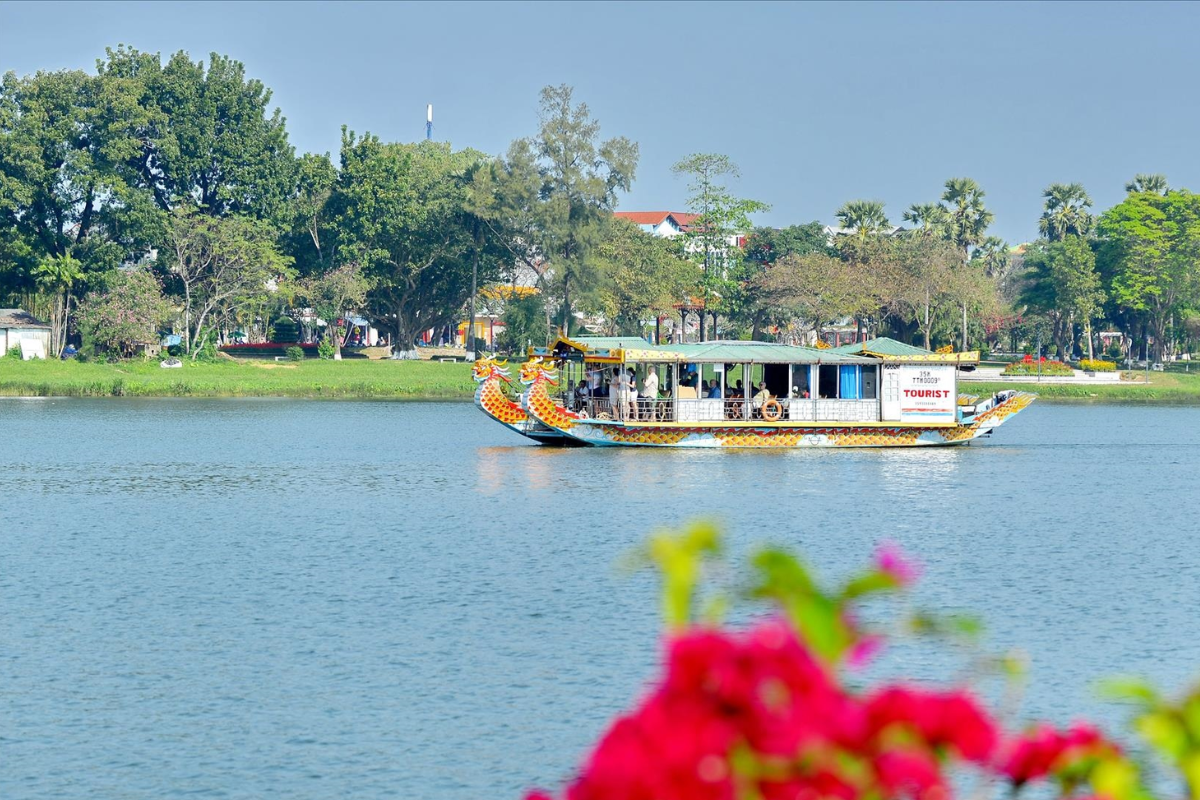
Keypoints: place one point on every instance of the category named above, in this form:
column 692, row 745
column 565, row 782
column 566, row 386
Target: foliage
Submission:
column 807, row 292
column 201, row 135
column 866, row 218
column 1066, row 212
column 1156, row 184
column 525, row 322
column 553, row 195
column 1063, row 284
column 1150, row 252
column 222, row 264
column 128, row 312
column 645, row 276
column 402, row 215
column 332, row 296
column 767, row 245
column 326, row 349
column 711, row 238
column 767, row 710
column 294, row 353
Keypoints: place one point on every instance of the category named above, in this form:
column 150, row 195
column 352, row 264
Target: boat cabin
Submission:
column 877, row 381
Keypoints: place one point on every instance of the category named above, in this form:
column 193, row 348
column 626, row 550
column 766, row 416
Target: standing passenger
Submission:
column 649, row 394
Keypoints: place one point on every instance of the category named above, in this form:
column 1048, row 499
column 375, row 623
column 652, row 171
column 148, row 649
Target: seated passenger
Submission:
column 760, row 397
column 714, row 390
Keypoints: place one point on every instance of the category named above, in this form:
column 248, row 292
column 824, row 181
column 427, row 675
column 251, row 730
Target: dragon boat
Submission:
column 878, row 393
column 491, row 374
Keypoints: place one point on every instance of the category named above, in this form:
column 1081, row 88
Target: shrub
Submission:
column 1113, row 351
column 294, row 353
column 286, row 330
column 1095, row 365
column 325, row 349
column 1029, row 366
column 127, row 313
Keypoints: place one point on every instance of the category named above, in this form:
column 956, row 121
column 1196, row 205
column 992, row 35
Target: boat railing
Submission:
column 728, row 409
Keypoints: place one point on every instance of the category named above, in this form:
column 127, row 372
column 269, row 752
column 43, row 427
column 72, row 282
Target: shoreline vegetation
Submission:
column 424, row 380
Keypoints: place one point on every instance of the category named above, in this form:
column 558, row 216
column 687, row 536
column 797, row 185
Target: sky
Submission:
column 816, row 103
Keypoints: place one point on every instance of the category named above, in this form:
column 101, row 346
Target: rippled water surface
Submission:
column 320, row 600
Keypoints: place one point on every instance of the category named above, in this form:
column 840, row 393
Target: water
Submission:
column 324, row 600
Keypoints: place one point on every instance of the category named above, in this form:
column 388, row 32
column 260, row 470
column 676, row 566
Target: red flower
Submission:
column 910, row 772
column 890, row 560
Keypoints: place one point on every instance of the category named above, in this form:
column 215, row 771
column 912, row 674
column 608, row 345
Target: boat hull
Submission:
column 777, row 435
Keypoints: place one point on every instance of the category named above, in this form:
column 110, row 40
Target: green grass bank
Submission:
column 1165, row 388
column 357, row 378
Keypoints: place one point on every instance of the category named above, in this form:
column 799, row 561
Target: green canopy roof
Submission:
column 758, row 352
column 883, row 346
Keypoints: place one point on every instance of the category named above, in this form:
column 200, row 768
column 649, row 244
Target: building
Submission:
column 17, row 325
column 664, row 224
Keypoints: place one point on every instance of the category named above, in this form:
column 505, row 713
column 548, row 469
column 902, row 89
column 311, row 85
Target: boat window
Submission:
column 776, row 377
column 801, row 385
column 827, row 381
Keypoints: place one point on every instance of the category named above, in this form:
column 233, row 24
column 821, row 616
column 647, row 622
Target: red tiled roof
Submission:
column 682, row 219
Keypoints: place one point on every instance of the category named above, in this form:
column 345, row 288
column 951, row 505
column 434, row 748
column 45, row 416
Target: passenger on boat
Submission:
column 714, row 390
column 760, row 397
column 649, row 394
column 631, row 377
column 583, row 393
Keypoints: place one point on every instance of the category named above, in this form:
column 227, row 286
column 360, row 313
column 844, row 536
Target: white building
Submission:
column 16, row 325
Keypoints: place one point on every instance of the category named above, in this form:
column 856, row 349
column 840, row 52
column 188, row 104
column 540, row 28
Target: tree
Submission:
column 64, row 209
column 930, row 219
column 221, row 265
column 1151, row 249
column 918, row 278
column 966, row 225
column 127, row 312
column 310, row 239
column 1155, row 184
column 768, row 245
column 332, row 296
column 644, row 276
column 807, row 292
column 402, row 214
column 993, row 255
column 563, row 184
column 1066, row 212
column 1064, row 286
column 866, row 218
column 203, row 135
column 58, row 276
column 711, row 238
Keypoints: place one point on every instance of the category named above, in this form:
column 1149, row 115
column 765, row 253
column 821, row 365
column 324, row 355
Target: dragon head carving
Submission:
column 486, row 368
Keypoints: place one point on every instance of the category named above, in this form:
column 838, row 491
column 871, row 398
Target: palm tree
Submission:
column 992, row 253
column 1147, row 183
column 58, row 276
column 967, row 223
column 865, row 217
column 1066, row 212
column 930, row 219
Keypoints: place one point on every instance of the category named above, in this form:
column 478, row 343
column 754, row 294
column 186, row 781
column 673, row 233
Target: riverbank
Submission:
column 419, row 380
column 1165, row 388
column 349, row 379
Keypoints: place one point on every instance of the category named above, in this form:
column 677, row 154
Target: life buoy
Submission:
column 772, row 410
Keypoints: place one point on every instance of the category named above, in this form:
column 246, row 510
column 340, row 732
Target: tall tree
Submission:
column 645, row 277
column 918, row 277
column 310, row 238
column 204, row 134
column 866, row 218
column 804, row 293
column 577, row 180
column 62, row 200
column 966, row 226
column 1142, row 182
column 1064, row 286
column 768, row 245
column 1151, row 250
column 711, row 238
column 402, row 214
column 332, row 296
column 221, row 265
column 1066, row 212
column 928, row 219
column 127, row 312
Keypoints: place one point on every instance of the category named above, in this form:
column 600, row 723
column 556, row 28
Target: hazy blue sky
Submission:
column 818, row 104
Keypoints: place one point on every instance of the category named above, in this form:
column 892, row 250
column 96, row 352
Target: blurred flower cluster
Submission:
column 765, row 712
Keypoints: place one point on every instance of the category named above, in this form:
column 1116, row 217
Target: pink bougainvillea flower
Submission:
column 890, row 559
column 864, row 651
